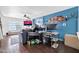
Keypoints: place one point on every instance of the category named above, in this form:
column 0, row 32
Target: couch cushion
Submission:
column 78, row 35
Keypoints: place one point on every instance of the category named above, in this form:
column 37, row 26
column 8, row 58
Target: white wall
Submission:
column 6, row 20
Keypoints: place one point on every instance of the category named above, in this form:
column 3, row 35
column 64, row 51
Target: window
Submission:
column 14, row 26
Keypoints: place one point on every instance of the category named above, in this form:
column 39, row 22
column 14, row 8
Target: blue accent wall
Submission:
column 71, row 25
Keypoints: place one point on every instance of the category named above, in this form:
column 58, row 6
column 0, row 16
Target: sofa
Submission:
column 71, row 41
column 28, row 35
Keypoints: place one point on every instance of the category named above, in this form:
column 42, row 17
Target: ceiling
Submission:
column 32, row 11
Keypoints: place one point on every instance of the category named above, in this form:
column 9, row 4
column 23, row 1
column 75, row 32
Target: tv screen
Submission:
column 27, row 22
column 51, row 26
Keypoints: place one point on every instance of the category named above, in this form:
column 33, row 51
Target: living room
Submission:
column 36, row 28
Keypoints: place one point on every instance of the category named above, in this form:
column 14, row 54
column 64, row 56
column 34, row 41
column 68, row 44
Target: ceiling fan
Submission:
column 27, row 16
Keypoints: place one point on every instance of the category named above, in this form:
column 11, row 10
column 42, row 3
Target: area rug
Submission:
column 14, row 39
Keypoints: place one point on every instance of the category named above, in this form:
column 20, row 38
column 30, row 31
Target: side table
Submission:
column 54, row 39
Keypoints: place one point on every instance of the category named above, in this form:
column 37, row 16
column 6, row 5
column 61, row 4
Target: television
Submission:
column 51, row 26
column 28, row 22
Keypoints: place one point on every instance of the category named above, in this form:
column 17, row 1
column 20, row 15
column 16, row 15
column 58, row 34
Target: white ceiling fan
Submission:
column 26, row 16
